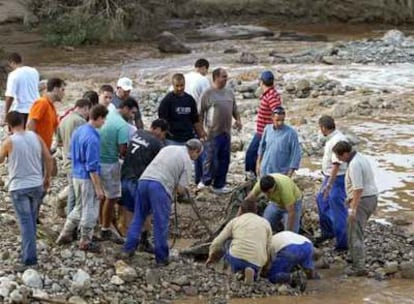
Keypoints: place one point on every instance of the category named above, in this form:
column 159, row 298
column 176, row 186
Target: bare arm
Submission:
column 332, row 177
column 251, row 197
column 47, row 163
column 31, row 125
column 198, row 126
column 122, row 150
column 9, row 101
column 291, row 217
column 5, row 149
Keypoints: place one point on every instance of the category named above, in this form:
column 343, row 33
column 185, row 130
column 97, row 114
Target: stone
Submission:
column 66, row 254
column 116, row 280
column 248, row 58
column 407, row 270
column 81, row 283
column 7, row 219
column 124, row 271
column 290, row 88
column 190, row 291
column 152, row 276
column 170, row 43
column 391, row 267
column 31, row 278
column 394, row 37
column 231, row 51
column 16, row 297
column 340, row 110
column 77, row 300
column 303, row 85
column 39, row 293
column 181, row 281
column 283, row 290
column 220, row 32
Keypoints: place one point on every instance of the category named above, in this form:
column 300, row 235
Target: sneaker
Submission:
column 89, row 246
column 248, row 275
column 298, row 280
column 64, row 239
column 223, row 190
column 201, row 186
column 352, row 272
column 110, row 235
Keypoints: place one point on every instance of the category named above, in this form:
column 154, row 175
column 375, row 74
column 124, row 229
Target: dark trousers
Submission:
column 251, row 154
column 217, row 161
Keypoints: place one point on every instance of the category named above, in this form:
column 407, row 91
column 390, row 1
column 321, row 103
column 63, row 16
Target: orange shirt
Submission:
column 44, row 112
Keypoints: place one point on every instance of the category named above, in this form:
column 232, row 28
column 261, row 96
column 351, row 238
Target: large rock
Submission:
column 31, row 278
column 124, row 271
column 394, row 37
column 340, row 110
column 220, row 32
column 81, row 282
column 407, row 270
column 170, row 43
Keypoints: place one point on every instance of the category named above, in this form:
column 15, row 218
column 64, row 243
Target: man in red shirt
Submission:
column 269, row 100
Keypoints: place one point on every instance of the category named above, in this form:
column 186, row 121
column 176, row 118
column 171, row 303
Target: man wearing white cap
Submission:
column 123, row 89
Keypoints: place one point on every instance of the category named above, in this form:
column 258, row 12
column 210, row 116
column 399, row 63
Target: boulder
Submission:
column 31, row 278
column 81, row 283
column 170, row 43
column 340, row 110
column 394, row 37
column 221, row 32
column 248, row 58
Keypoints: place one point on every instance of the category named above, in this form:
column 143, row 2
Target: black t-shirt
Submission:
column 142, row 149
column 181, row 114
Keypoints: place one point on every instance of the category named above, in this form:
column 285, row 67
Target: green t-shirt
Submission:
column 286, row 192
column 113, row 133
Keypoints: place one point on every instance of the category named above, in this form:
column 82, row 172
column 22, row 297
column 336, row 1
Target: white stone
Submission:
column 31, row 278
column 77, row 300
column 39, row 293
column 66, row 254
column 117, row 280
column 16, row 297
column 124, row 271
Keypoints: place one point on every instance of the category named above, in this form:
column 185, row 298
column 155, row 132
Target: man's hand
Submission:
column 213, row 257
column 326, row 191
column 100, row 195
column 46, row 183
column 352, row 215
column 238, row 125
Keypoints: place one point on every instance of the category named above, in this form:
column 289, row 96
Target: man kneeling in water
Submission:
column 246, row 242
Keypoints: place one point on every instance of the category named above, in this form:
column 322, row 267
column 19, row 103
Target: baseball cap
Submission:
column 279, row 110
column 124, row 83
column 267, row 76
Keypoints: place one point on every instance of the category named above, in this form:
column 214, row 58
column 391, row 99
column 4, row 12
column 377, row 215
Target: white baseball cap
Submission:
column 124, row 83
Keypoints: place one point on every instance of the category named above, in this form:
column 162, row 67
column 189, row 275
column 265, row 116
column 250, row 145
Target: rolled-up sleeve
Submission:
column 92, row 157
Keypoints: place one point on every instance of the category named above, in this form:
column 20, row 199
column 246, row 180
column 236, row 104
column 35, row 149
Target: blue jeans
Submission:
column 26, row 203
column 151, row 197
column 129, row 193
column 217, row 161
column 333, row 213
column 251, row 154
column 237, row 264
column 198, row 167
column 277, row 216
column 288, row 258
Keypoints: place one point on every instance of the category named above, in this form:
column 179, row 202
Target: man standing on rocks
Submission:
column 331, row 197
column 362, row 197
column 218, row 106
column 64, row 134
column 279, row 150
column 269, row 101
column 169, row 172
column 85, row 154
column 114, row 139
column 42, row 117
column 29, row 166
column 290, row 250
column 142, row 149
column 123, row 91
column 246, row 242
column 196, row 82
column 179, row 109
column 22, row 87
column 285, row 197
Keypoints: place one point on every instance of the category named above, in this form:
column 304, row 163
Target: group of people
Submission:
column 114, row 165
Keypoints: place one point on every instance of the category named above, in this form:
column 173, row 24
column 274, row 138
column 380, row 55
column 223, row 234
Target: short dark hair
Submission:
column 216, row 73
column 342, row 147
column 327, row 121
column 160, row 123
column 15, row 57
column 92, row 96
column 14, row 119
column 202, row 63
column 267, row 182
column 83, row 102
column 130, row 103
column 269, row 82
column 248, row 206
column 98, row 111
column 54, row 83
column 178, row 77
column 106, row 88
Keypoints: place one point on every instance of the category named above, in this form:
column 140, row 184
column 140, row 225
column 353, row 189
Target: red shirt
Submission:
column 268, row 102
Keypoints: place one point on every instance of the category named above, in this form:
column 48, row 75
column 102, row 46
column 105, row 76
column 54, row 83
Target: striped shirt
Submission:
column 268, row 102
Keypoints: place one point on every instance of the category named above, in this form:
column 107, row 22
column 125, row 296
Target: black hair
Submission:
column 342, row 147
column 266, row 183
column 54, row 83
column 14, row 119
column 15, row 57
column 92, row 96
column 83, row 102
column 130, row 103
column 160, row 123
column 202, row 63
column 98, row 111
column 327, row 121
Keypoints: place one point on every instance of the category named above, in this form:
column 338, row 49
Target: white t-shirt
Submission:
column 171, row 167
column 360, row 176
column 23, row 86
column 329, row 157
column 195, row 85
column 285, row 238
